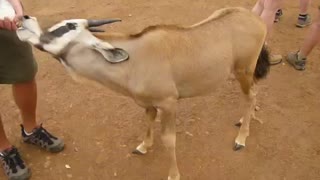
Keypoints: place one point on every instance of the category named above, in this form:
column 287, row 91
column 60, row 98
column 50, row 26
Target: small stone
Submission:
column 67, row 166
column 128, row 155
column 189, row 134
column 76, row 149
column 130, row 15
column 69, row 175
column 115, row 174
column 257, row 108
column 46, row 164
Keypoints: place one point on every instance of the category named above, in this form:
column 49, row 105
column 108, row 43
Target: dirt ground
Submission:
column 100, row 127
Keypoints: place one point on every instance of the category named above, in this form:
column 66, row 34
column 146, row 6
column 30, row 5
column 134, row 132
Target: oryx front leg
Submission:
column 244, row 129
column 151, row 114
column 168, row 136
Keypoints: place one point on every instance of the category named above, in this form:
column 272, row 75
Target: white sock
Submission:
column 28, row 134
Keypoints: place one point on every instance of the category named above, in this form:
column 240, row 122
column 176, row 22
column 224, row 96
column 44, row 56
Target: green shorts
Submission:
column 17, row 63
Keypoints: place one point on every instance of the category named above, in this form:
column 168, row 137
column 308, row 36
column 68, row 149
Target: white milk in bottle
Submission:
column 6, row 10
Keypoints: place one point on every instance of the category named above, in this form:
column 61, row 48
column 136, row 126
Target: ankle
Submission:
column 301, row 56
column 5, row 146
column 28, row 128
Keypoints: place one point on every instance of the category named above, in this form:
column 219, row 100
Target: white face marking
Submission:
column 29, row 31
column 59, row 43
column 59, row 35
column 81, row 24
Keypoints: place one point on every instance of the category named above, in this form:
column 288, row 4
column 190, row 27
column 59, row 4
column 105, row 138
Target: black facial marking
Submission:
column 63, row 29
column 60, row 31
column 46, row 38
column 71, row 26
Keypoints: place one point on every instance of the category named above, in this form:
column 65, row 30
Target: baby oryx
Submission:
column 162, row 63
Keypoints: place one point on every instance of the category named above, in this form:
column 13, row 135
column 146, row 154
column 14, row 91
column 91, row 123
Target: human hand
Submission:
column 17, row 18
column 7, row 24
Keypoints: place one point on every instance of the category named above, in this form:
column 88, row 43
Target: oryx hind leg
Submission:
column 245, row 79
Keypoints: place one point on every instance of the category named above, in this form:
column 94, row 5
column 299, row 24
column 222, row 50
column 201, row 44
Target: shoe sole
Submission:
column 58, row 148
column 302, row 25
column 25, row 176
column 295, row 67
column 55, row 149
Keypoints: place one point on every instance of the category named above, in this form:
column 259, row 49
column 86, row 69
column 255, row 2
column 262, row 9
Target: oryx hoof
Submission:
column 137, row 152
column 238, row 147
column 238, row 124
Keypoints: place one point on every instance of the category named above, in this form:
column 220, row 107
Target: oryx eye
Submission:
column 71, row 26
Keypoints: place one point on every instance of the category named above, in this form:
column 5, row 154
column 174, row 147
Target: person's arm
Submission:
column 17, row 6
column 12, row 25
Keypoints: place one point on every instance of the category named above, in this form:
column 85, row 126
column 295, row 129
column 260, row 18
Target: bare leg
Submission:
column 267, row 10
column 151, row 114
column 258, row 7
column 268, row 13
column 4, row 143
column 312, row 38
column 25, row 96
column 168, row 116
column 298, row 59
column 304, row 5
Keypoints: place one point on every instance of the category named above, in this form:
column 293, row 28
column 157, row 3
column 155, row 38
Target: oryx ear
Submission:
column 112, row 55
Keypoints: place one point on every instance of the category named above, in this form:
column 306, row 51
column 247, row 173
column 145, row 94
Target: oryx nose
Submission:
column 26, row 17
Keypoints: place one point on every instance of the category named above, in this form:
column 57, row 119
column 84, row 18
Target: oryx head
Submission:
column 56, row 38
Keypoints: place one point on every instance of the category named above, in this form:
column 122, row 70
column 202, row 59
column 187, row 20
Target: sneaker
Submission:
column 13, row 165
column 278, row 15
column 275, row 59
column 42, row 138
column 293, row 60
column 303, row 21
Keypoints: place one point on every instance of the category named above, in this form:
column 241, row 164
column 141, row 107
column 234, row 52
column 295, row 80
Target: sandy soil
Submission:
column 101, row 127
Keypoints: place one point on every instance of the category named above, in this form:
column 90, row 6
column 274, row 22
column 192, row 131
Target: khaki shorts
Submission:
column 17, row 63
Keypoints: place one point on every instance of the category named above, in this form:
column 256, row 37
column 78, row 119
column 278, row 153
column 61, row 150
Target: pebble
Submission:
column 188, row 133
